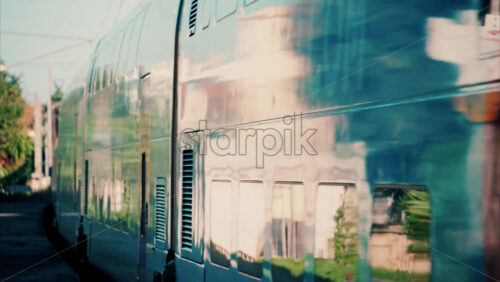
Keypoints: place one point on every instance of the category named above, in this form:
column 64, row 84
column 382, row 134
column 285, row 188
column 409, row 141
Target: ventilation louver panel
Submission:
column 187, row 199
column 86, row 189
column 192, row 17
column 160, row 215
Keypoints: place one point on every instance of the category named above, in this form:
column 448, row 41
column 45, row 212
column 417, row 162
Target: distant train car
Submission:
column 266, row 140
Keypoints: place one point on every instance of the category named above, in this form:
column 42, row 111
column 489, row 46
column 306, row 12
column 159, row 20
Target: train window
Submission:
column 113, row 60
column 335, row 235
column 248, row 2
column 220, row 222
column 133, row 31
column 207, row 12
column 105, row 76
column 126, row 58
column 400, row 236
column 251, row 223
column 118, row 60
column 225, row 8
column 97, row 79
column 86, row 189
column 287, row 227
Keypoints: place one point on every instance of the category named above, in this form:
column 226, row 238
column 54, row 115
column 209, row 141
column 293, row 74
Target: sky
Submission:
column 68, row 29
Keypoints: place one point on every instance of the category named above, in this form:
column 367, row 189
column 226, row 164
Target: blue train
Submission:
column 297, row 140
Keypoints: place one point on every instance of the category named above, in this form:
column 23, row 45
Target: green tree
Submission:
column 58, row 94
column 345, row 237
column 417, row 207
column 56, row 98
column 15, row 146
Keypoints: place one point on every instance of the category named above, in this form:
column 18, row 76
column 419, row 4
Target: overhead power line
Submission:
column 55, row 64
column 50, row 53
column 32, row 34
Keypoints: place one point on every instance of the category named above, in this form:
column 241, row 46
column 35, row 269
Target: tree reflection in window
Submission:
column 400, row 238
column 336, row 236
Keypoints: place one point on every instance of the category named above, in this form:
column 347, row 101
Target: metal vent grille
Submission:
column 187, row 199
column 86, row 189
column 160, row 214
column 192, row 17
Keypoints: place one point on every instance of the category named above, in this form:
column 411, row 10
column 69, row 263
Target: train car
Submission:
column 298, row 140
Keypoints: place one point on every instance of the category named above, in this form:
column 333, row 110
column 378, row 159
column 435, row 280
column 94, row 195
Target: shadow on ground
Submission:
column 31, row 248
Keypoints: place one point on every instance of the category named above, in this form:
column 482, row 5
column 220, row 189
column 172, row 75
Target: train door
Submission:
column 143, row 211
column 155, row 57
column 76, row 185
column 144, row 137
column 155, row 169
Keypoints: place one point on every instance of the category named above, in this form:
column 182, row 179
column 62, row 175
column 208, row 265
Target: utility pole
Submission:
column 48, row 130
column 37, row 175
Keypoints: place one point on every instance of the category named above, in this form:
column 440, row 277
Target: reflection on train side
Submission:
column 336, row 238
column 220, row 222
column 251, row 224
column 288, row 222
column 110, row 203
column 400, row 237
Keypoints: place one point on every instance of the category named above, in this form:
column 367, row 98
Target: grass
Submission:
column 287, row 269
column 385, row 274
column 329, row 270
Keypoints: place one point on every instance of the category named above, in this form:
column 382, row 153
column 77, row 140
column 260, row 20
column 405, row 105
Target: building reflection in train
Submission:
column 251, row 224
column 288, row 216
column 220, row 223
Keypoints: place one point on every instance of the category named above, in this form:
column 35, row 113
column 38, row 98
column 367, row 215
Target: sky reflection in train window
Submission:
column 225, row 8
column 220, row 222
column 288, row 222
column 400, row 237
column 251, row 223
column 335, row 235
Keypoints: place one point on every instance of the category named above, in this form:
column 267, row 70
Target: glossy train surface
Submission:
column 248, row 140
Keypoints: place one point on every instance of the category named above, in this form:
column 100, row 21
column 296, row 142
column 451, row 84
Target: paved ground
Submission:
column 23, row 244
